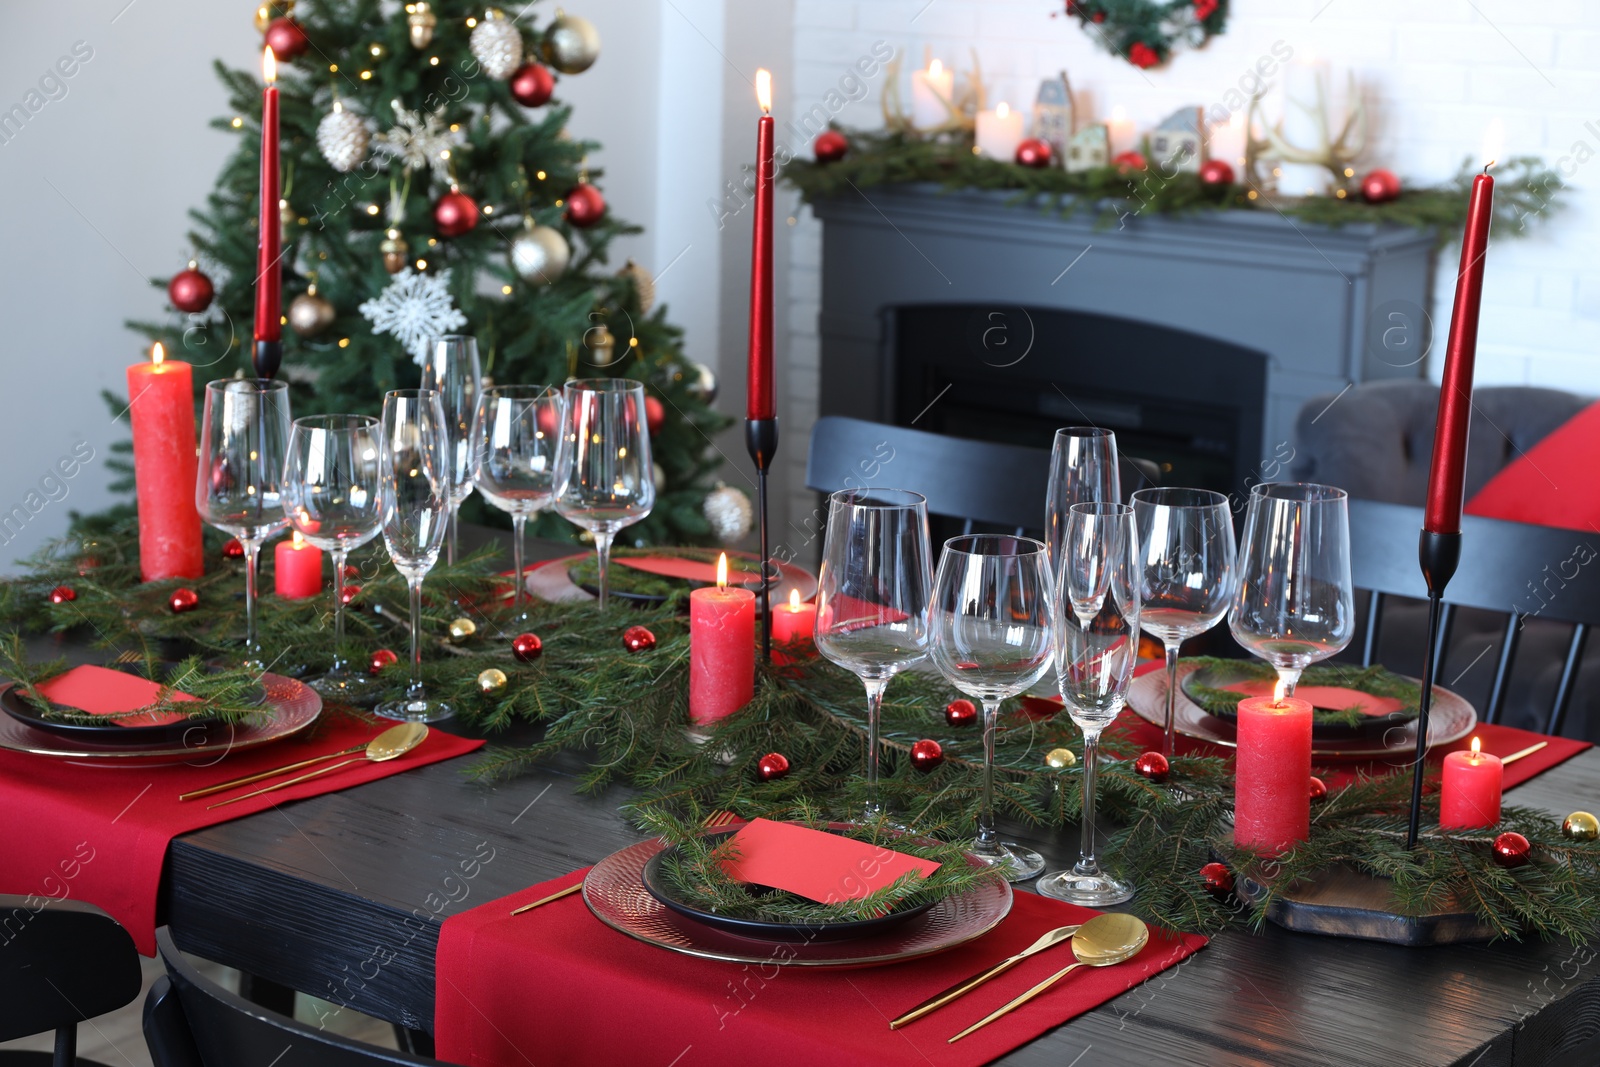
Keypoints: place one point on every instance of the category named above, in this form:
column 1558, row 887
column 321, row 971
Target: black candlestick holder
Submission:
column 267, row 356
column 761, row 438
column 1439, row 554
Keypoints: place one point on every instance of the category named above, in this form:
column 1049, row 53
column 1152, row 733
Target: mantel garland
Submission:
column 622, row 715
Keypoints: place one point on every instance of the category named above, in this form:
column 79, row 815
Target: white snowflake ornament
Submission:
column 415, row 309
column 419, row 141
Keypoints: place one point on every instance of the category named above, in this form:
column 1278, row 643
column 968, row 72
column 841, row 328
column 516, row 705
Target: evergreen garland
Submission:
column 1143, row 32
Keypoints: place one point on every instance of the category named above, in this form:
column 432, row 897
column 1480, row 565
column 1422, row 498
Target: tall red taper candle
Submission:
column 1447, row 475
column 760, row 404
column 165, row 465
column 269, row 275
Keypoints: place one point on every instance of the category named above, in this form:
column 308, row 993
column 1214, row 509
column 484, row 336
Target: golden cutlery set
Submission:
column 391, row 744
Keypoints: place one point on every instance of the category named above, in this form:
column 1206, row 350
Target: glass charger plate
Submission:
column 1451, row 719
column 292, row 706
column 614, row 891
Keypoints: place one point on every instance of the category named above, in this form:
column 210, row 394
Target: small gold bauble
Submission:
column 602, row 345
column 286, row 220
column 311, row 314
column 1580, row 826
column 421, row 19
column 396, row 253
column 462, row 629
column 492, row 680
column 1059, row 759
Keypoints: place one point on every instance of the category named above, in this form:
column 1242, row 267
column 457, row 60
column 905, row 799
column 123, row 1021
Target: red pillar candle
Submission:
column 1272, row 789
column 760, row 404
column 297, row 569
column 794, row 623
column 1469, row 793
column 165, row 468
column 269, row 279
column 722, row 649
column 1447, row 474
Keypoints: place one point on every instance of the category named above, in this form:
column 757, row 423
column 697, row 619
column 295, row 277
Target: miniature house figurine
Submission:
column 1052, row 116
column 1089, row 148
column 1175, row 144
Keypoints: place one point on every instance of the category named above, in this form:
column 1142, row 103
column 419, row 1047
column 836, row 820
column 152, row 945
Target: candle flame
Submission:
column 1002, row 110
column 157, row 353
column 1477, row 749
column 269, row 65
column 1280, row 689
column 764, row 89
column 297, row 539
column 722, row 572
column 1119, row 114
column 794, row 600
column 935, row 69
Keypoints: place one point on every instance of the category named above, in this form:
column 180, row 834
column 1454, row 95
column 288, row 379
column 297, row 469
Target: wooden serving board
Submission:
column 1344, row 902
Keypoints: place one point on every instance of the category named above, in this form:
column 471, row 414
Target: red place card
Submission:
column 1325, row 697
column 102, row 691
column 690, row 570
column 819, row 866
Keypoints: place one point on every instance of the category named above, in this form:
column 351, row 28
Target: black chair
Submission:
column 61, row 963
column 190, row 1021
column 1513, row 569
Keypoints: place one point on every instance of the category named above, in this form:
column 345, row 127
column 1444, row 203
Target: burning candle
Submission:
column 794, row 623
column 297, row 569
column 1228, row 141
column 1272, row 787
column 165, row 467
column 269, row 300
column 999, row 132
column 1120, row 131
column 722, row 649
column 931, row 90
column 760, row 404
column 1469, row 793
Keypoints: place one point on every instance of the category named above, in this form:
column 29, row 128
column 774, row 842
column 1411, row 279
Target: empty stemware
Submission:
column 451, row 369
column 516, row 433
column 1083, row 469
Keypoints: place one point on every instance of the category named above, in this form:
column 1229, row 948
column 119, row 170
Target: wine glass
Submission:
column 992, row 639
column 1295, row 602
column 515, row 436
column 604, row 476
column 1186, row 555
column 331, row 496
column 872, row 596
column 244, row 435
column 1097, row 645
column 451, row 369
column 1083, row 469
column 414, row 486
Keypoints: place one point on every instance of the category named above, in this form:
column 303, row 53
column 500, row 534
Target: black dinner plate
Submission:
column 25, row 711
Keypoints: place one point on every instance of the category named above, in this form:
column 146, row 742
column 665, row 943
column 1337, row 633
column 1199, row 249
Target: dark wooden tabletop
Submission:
column 341, row 896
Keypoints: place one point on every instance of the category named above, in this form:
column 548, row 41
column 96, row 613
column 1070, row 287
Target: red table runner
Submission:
column 555, row 985
column 100, row 834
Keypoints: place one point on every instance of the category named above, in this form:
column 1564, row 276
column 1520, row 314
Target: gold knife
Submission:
column 1047, row 940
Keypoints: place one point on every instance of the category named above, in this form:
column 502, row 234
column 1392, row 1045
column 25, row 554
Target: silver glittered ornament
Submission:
column 310, row 313
column 571, row 44
column 342, row 138
column 729, row 512
column 702, row 383
column 539, row 254
column 496, row 44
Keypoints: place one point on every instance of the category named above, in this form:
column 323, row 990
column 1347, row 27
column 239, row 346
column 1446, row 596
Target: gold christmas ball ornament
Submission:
column 496, row 44
column 702, row 382
column 492, row 680
column 421, row 20
column 539, row 254
column 658, row 475
column 461, row 629
column 1059, row 759
column 1580, row 826
column 266, row 13
column 310, row 314
column 602, row 345
column 395, row 251
column 571, row 44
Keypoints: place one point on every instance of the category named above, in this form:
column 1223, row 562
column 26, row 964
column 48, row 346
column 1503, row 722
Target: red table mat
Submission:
column 100, row 834
column 555, row 985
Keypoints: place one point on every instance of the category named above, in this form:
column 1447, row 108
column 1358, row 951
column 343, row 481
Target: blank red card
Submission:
column 689, row 570
column 102, row 691
column 1326, row 697
column 819, row 866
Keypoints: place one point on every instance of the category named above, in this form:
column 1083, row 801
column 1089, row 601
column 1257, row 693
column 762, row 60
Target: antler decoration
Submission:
column 1334, row 153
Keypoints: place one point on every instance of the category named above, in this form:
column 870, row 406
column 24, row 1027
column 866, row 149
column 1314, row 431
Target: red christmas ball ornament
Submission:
column 1142, row 55
column 532, row 84
column 349, row 593
column 62, row 594
column 1218, row 879
column 585, row 205
column 455, row 213
column 381, row 659
column 772, row 766
column 961, row 712
column 1204, row 9
column 351, row 572
column 183, row 600
column 1152, row 765
column 1511, row 849
column 1380, row 186
column 1129, row 160
column 638, row 639
column 190, row 290
column 1216, row 172
column 287, row 39
column 830, row 146
column 655, row 414
column 527, row 647
column 1319, row 788
column 1034, row 153
column 926, row 755
column 232, row 549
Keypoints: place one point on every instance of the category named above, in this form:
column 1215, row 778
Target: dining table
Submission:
column 341, row 896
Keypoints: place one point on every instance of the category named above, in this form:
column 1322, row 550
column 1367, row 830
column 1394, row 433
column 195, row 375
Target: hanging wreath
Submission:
column 1144, row 31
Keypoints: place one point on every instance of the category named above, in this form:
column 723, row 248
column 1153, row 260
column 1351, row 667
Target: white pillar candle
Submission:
column 999, row 132
column 1120, row 128
column 1228, row 141
column 1305, row 96
column 930, row 89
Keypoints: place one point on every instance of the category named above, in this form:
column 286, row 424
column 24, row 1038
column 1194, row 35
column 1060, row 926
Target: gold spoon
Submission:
column 391, row 744
column 1049, row 939
column 1100, row 942
column 389, row 736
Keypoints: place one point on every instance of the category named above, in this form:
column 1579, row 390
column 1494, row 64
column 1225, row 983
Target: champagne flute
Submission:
column 1097, row 645
column 992, row 639
column 1083, row 469
column 872, row 596
column 331, row 496
column 1295, row 603
column 604, row 476
column 1186, row 556
column 244, row 435
column 414, row 468
column 515, row 436
column 451, row 369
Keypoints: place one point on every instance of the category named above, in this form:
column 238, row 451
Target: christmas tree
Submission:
column 430, row 186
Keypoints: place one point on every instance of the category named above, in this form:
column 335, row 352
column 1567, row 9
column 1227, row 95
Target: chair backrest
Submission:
column 190, row 1021
column 1520, row 570
column 61, row 962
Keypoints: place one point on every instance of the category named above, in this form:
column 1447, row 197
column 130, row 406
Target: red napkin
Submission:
column 99, row 834
column 604, row 998
column 103, row 691
column 1552, row 483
